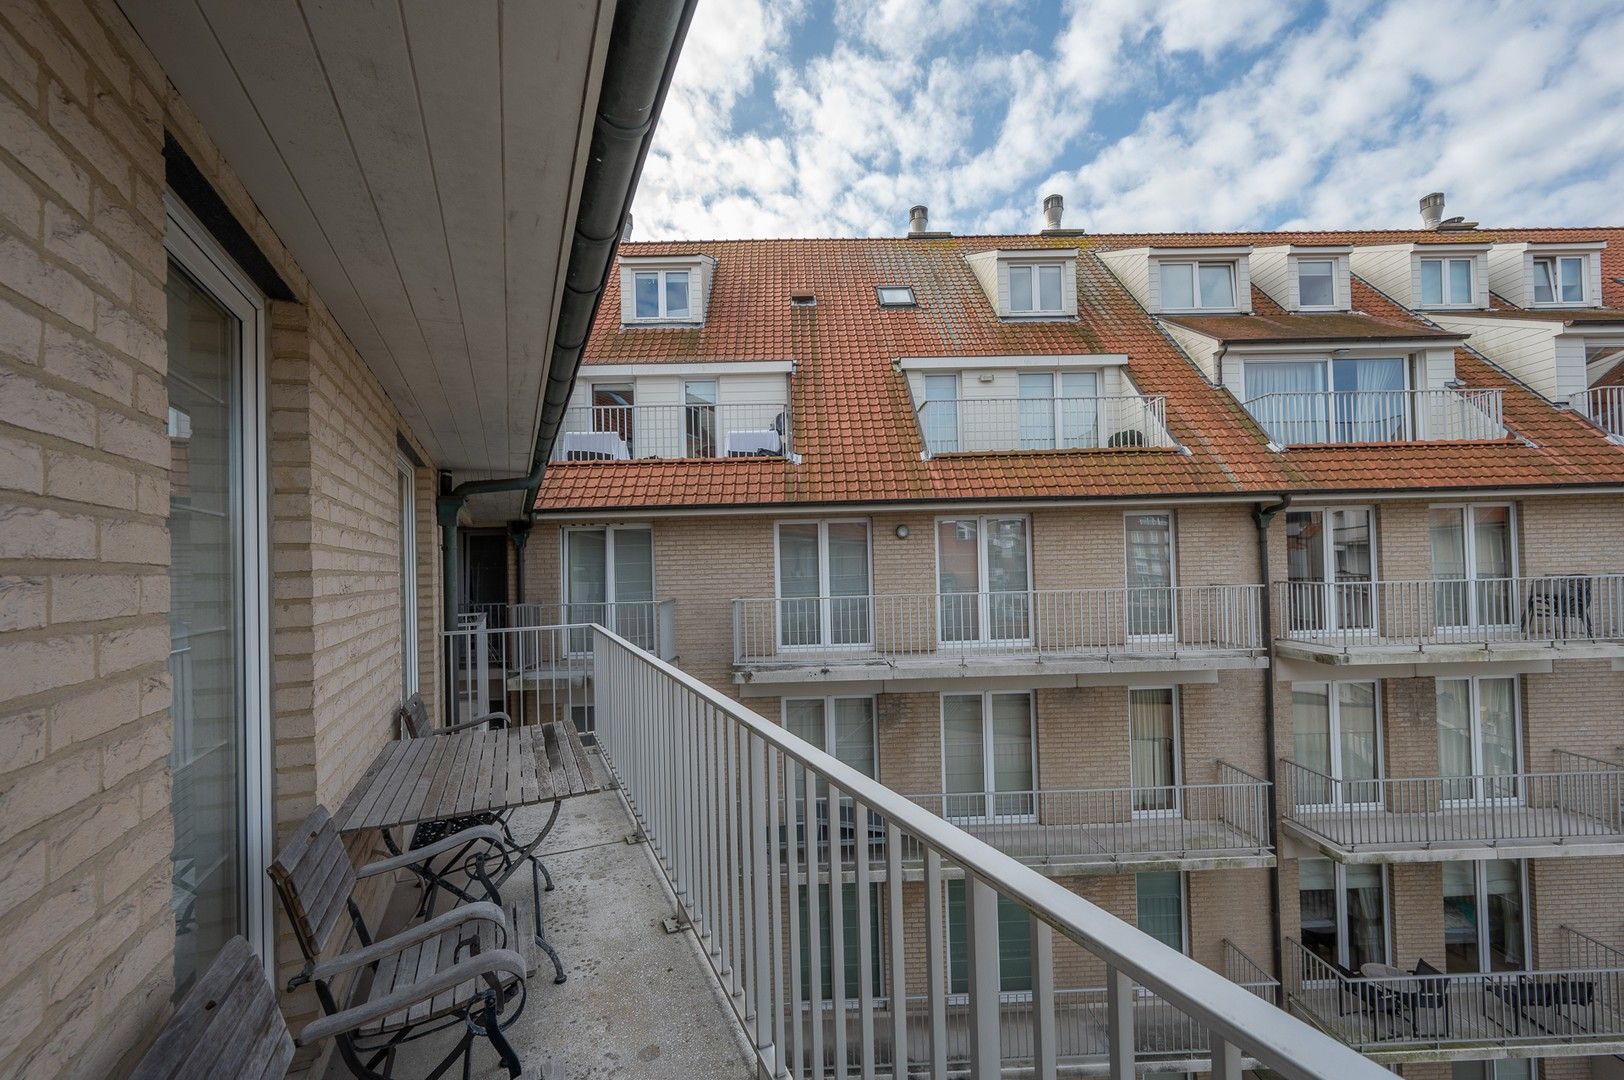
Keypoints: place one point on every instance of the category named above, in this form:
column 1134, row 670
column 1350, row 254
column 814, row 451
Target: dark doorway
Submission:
column 485, row 581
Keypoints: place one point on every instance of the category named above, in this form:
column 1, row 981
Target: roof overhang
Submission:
column 983, row 363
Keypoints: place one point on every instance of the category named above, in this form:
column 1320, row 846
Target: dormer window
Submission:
column 1197, row 286
column 1447, row 282
column 1316, row 283
column 661, row 294
column 1034, row 289
column 1559, row 280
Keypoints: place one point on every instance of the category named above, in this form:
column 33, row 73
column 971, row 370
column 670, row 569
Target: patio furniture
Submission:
column 1556, row 993
column 764, row 443
column 1562, row 599
column 460, row 969
column 593, row 446
column 472, row 772
column 227, row 1025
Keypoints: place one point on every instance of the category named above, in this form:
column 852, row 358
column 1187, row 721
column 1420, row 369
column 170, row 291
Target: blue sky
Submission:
column 831, row 118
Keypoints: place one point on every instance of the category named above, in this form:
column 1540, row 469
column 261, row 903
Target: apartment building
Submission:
column 1262, row 588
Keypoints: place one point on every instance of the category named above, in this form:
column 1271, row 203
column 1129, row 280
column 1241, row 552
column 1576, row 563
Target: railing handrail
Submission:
column 1450, row 976
column 1098, row 590
column 960, row 403
column 1378, row 581
column 1487, row 392
column 1121, row 789
column 1273, row 1037
column 1476, row 414
column 1376, row 781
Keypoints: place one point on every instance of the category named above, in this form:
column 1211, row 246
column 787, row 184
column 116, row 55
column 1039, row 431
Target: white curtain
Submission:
column 1286, row 397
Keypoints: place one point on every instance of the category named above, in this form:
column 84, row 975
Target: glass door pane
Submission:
column 1367, row 915
column 1150, row 575
column 1495, row 593
column 1008, row 580
column 1036, row 410
column 1369, row 403
column 612, row 411
column 1461, row 930
column 1316, row 905
column 963, row 756
column 1287, row 399
column 804, row 719
column 1455, row 737
column 1311, row 739
column 1451, row 603
column 854, row 733
column 1503, row 915
column 958, row 579
column 1357, row 741
column 632, row 574
column 1012, row 753
column 1079, row 409
column 1497, row 736
column 586, row 582
column 1160, row 906
column 207, row 761
column 1153, row 760
column 848, row 583
column 699, row 416
column 800, row 620
column 1354, row 564
column 1305, row 570
column 939, row 413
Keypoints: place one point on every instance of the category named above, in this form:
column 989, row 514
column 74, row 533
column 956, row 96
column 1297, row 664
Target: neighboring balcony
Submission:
column 632, row 432
column 1182, row 827
column 831, row 639
column 1573, row 1008
column 1082, row 423
column 1604, row 405
column 1573, row 616
column 1340, row 417
column 1576, row 811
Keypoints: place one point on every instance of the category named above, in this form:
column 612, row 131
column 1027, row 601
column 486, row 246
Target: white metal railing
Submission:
column 1080, row 423
column 1552, row 1006
column 1476, row 611
column 1110, row 824
column 1604, row 405
column 648, row 624
column 1482, row 808
column 1583, row 951
column 1369, row 416
column 533, row 673
column 703, row 774
column 1153, row 621
column 625, row 432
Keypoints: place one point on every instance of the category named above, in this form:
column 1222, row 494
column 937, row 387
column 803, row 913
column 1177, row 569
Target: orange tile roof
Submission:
column 859, row 441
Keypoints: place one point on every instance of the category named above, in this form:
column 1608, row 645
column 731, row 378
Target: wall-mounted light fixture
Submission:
column 902, row 532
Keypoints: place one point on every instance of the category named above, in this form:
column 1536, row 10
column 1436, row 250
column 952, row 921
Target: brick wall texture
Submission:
column 86, row 930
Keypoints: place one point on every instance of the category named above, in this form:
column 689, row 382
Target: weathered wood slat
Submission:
column 227, row 1025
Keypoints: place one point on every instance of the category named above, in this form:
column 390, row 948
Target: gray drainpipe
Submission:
column 644, row 43
column 1264, row 516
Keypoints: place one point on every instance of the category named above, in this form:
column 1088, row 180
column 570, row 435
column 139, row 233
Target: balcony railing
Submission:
column 1082, row 423
column 648, row 624
column 1242, row 970
column 1550, row 1008
column 1036, row 624
column 703, row 777
column 1375, row 416
column 626, row 432
column 1581, row 805
column 1477, row 611
column 1604, row 405
column 1059, row 829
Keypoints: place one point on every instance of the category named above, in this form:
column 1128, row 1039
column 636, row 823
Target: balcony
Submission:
column 1576, row 811
column 1575, row 1009
column 1184, row 827
column 1083, row 423
column 1341, row 417
column 633, row 432
column 1604, row 405
column 1573, row 616
column 920, row 636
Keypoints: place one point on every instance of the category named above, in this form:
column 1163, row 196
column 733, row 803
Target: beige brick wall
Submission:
column 86, row 931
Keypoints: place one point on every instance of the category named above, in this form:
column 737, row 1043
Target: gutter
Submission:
column 1264, row 516
column 644, row 43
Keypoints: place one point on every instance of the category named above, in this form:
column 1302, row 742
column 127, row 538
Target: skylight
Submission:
column 895, row 295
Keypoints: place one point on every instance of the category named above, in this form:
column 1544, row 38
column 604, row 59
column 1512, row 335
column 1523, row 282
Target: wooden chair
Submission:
column 227, row 1025
column 462, row 968
column 413, row 718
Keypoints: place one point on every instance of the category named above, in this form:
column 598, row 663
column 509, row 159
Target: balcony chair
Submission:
column 227, row 1025
column 1560, row 601
column 465, row 968
column 1432, row 994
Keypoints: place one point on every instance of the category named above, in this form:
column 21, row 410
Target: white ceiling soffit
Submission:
column 423, row 161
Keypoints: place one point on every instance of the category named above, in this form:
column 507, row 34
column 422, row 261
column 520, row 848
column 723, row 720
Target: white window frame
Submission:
column 829, row 700
column 1184, row 912
column 406, row 478
column 989, row 797
column 1297, row 268
column 825, row 642
column 1555, row 263
column 1443, row 299
column 981, row 593
column 880, row 298
column 1032, row 267
column 1333, row 732
column 1178, row 757
column 958, row 413
column 660, row 276
column 1195, row 266
column 1331, row 608
column 1339, row 885
column 188, row 242
column 1469, row 555
column 609, row 598
column 1480, row 896
column 1474, row 728
column 1412, row 426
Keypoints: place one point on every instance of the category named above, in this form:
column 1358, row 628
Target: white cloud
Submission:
column 968, row 106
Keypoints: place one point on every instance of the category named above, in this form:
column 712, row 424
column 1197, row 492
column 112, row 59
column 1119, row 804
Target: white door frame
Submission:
column 406, row 482
column 189, row 244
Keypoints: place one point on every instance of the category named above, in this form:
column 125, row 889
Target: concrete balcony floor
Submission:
column 639, row 1002
column 1453, row 833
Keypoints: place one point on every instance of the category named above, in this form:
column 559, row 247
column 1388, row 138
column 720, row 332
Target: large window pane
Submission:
column 1314, row 283
column 1370, row 403
column 1432, row 281
column 1503, row 914
column 1573, row 284
column 699, row 416
column 1356, row 724
column 1020, row 288
column 1495, row 593
column 1217, row 285
column 854, row 733
column 1153, row 750
column 1160, row 907
column 799, row 612
column 939, row 414
column 1150, row 574
column 1544, row 282
column 1287, row 399
column 848, row 582
column 1008, row 580
column 1311, row 739
column 1079, row 409
column 1037, row 410
column 676, row 294
column 633, row 551
column 1049, row 288
column 1460, row 281
column 851, row 975
column 1461, row 925
column 1497, row 722
column 1012, row 752
column 1447, row 534
column 1366, row 903
column 1353, row 560
column 1316, row 906
column 963, row 755
column 1454, row 703
column 647, row 289
column 207, row 760
column 1178, row 286
column 958, row 578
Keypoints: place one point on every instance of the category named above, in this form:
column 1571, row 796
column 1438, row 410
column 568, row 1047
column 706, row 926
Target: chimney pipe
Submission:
column 918, row 220
column 1053, row 206
column 1432, row 210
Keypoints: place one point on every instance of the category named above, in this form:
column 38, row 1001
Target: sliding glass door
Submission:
column 218, row 757
column 984, row 580
column 1474, row 565
column 1479, row 738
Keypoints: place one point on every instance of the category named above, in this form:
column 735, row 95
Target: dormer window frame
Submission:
column 1330, row 264
column 1198, row 288
column 1233, row 260
column 664, row 271
column 1445, row 262
column 1032, row 272
column 995, row 268
column 1552, row 262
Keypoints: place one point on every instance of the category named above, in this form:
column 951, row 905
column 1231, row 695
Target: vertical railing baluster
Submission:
column 1119, row 1023
column 837, row 930
column 1045, row 1048
column 865, row 946
column 898, row 968
column 792, row 904
column 981, row 939
column 936, row 961
column 762, row 873
column 814, row 929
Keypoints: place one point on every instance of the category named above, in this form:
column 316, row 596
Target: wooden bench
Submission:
column 227, row 1025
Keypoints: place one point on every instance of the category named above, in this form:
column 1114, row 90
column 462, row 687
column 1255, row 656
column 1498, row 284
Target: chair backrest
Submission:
column 1424, row 968
column 414, row 718
column 227, row 1025
column 314, row 880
